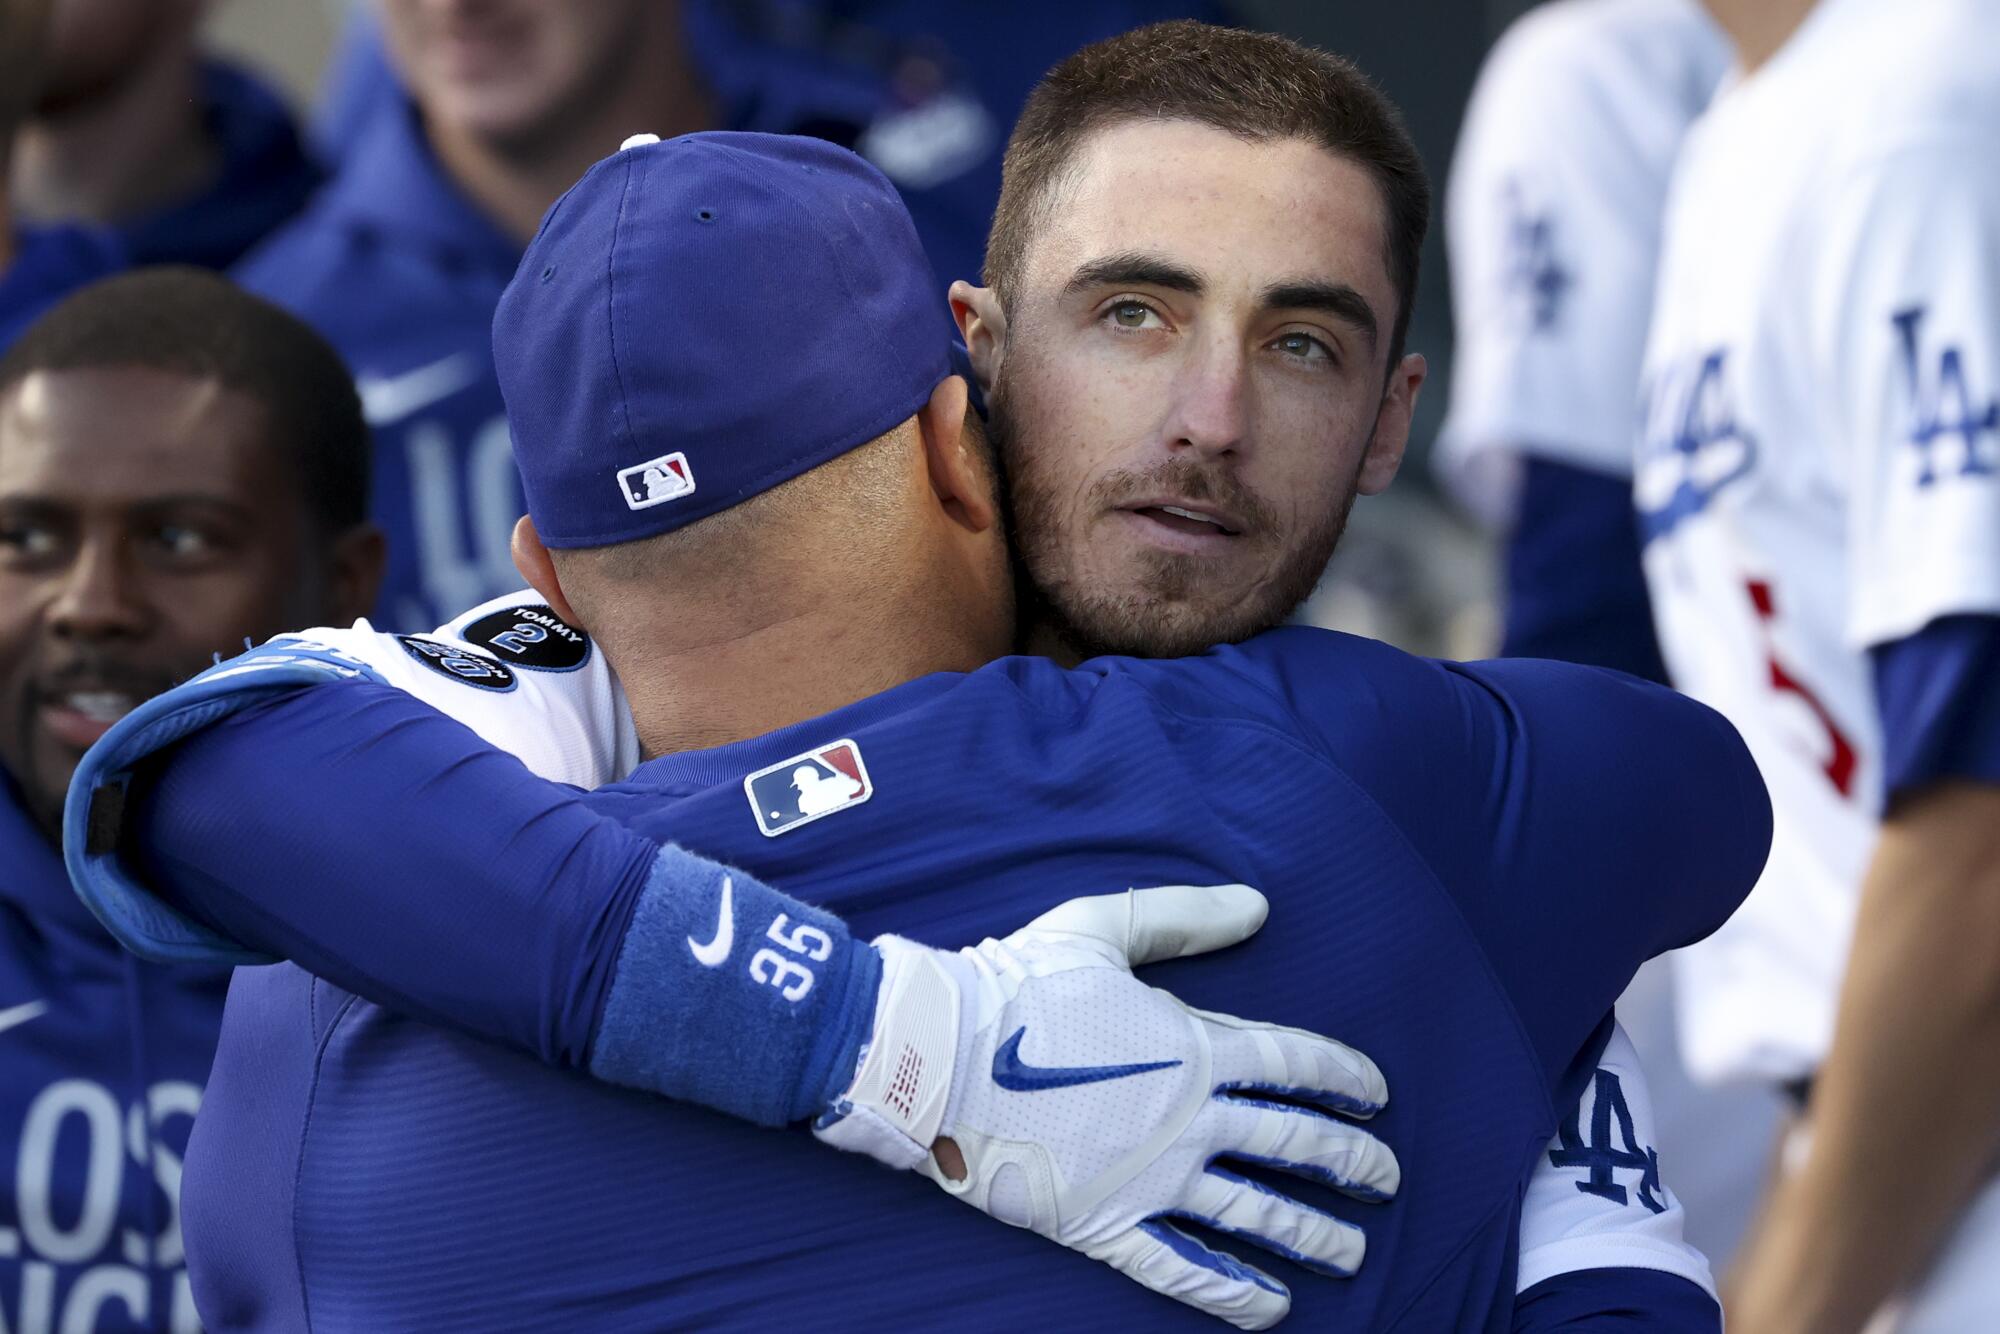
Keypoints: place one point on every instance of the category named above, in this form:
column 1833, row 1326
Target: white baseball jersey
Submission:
column 1819, row 461
column 531, row 685
column 1552, row 220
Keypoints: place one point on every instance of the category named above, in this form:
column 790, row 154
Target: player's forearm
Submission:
column 384, row 847
column 1903, row 1119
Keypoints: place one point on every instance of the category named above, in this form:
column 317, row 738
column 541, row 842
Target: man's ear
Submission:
column 982, row 326
column 355, row 572
column 532, row 559
column 1392, row 426
column 955, row 453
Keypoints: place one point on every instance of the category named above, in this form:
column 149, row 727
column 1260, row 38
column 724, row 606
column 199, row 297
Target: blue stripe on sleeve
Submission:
column 1632, row 1301
column 1576, row 590
column 1938, row 695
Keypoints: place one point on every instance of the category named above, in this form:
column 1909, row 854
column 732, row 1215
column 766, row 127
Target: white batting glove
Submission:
column 1091, row 1108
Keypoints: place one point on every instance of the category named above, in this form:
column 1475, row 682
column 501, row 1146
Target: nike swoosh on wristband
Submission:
column 715, row 951
column 21, row 1014
column 1012, row 1073
column 389, row 398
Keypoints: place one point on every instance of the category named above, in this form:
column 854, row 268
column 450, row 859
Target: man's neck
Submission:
column 141, row 146
column 1758, row 28
column 515, row 184
column 714, row 689
column 1041, row 637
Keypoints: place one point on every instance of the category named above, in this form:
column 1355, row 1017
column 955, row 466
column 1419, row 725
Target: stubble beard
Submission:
column 1163, row 613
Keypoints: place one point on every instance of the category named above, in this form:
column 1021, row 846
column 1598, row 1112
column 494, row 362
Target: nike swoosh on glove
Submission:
column 1092, row 1108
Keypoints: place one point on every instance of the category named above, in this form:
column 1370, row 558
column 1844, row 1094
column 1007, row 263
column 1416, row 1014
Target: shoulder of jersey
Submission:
column 1955, row 43
column 1268, row 674
column 1615, row 49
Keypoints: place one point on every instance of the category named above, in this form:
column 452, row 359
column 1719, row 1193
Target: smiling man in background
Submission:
column 182, row 466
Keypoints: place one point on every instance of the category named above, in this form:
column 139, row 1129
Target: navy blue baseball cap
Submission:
column 699, row 319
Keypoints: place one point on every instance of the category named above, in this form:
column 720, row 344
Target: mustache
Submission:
column 1189, row 479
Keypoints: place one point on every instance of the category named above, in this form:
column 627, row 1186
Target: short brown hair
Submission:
column 1250, row 84
column 195, row 323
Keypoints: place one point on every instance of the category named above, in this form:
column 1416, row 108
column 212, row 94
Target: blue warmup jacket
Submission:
column 102, row 1063
column 1466, row 863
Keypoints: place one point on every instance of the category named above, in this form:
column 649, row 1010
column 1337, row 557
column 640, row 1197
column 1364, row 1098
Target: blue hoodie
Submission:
column 264, row 180
column 49, row 263
column 90, row 1036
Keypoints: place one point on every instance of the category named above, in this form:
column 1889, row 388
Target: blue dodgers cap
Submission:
column 702, row 318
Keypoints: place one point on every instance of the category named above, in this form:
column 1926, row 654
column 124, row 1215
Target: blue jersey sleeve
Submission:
column 1940, row 708
column 1628, row 1301
column 1583, row 820
column 1575, row 588
column 385, row 847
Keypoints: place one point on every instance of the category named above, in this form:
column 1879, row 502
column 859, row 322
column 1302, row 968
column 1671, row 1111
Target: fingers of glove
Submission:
column 1308, row 1144
column 1164, row 922
column 1170, row 1262
column 1174, row 921
column 1278, row 1223
column 1292, row 1063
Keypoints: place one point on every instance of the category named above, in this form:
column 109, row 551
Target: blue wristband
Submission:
column 729, row 994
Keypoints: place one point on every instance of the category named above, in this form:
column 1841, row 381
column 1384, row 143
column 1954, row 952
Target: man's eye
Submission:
column 1134, row 315
column 178, row 539
column 26, row 541
column 1303, row 346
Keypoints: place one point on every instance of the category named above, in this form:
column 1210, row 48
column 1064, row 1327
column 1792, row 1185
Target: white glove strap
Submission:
column 898, row 1100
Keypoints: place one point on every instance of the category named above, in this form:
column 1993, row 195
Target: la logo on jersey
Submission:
column 1536, row 278
column 807, row 787
column 1946, row 410
column 1692, row 445
column 656, row 481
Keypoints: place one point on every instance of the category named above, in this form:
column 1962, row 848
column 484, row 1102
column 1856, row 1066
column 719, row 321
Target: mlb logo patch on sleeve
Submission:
column 806, row 787
column 656, row 481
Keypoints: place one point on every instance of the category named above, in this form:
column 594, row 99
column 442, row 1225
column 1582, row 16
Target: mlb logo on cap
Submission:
column 656, row 481
column 640, row 326
column 806, row 787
